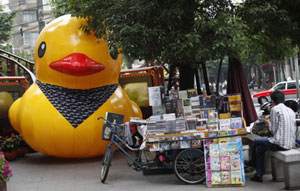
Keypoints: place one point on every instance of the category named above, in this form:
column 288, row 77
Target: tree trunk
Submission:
column 186, row 79
column 283, row 70
column 218, row 77
column 198, row 82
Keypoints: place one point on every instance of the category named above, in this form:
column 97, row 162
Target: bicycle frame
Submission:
column 116, row 142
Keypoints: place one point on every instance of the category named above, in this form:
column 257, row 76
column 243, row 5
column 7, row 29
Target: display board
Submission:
column 224, row 162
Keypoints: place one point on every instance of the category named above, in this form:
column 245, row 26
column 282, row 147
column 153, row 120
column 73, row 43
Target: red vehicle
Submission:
column 287, row 87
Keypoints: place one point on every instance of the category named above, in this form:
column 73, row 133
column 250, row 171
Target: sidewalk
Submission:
column 38, row 172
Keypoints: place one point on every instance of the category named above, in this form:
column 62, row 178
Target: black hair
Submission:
column 277, row 96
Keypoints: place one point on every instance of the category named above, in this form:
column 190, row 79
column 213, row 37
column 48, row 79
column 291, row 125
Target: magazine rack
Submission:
column 224, row 162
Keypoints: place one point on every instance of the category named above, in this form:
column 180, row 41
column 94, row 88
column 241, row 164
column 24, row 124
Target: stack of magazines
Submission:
column 151, row 127
column 180, row 124
column 161, row 126
column 171, row 126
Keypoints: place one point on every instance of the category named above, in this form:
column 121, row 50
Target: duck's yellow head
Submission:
column 66, row 56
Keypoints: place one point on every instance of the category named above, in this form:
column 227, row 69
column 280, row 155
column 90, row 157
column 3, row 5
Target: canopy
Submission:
column 237, row 84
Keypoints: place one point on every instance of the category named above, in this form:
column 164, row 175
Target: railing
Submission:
column 12, row 65
column 156, row 73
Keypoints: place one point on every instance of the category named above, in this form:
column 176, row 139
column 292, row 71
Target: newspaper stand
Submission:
column 198, row 140
column 188, row 152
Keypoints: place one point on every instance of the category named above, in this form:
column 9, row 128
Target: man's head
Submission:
column 277, row 97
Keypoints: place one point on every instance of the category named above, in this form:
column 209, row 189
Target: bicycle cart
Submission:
column 187, row 164
column 182, row 152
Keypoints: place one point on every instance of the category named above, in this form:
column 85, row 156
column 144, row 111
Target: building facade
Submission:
column 31, row 17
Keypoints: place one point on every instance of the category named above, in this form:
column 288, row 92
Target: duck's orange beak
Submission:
column 77, row 64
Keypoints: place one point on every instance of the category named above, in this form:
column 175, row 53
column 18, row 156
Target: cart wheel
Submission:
column 106, row 161
column 189, row 166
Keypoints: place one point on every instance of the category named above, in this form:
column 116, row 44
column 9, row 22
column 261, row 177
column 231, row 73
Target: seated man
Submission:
column 282, row 125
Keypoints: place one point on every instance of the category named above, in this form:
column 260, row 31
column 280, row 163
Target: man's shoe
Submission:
column 256, row 178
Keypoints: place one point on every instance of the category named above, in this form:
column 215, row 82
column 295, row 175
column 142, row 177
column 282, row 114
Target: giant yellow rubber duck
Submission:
column 77, row 82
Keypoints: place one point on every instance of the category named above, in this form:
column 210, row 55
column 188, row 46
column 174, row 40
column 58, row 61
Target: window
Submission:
column 30, row 38
column 29, row 16
column 280, row 87
column 291, row 85
column 46, row 5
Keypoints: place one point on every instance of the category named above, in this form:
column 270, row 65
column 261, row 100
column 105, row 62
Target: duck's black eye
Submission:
column 113, row 53
column 42, row 49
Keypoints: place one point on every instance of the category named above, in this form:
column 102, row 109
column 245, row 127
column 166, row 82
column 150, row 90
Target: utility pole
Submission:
column 297, row 74
column 40, row 16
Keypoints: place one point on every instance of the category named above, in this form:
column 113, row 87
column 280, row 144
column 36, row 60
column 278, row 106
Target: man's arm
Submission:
column 273, row 121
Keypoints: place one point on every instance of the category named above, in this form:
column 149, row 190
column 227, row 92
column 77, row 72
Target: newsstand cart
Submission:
column 181, row 152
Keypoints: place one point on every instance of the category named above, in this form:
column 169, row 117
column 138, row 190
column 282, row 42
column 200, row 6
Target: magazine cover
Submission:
column 216, row 177
column 225, row 163
column 187, row 108
column 195, row 102
column 201, row 124
column 185, row 141
column 232, row 132
column 236, row 123
column 207, row 111
column 234, row 149
column 154, row 94
column 170, row 105
column 215, row 163
column 214, row 150
column 212, row 134
column 182, row 94
column 202, row 114
column 224, row 124
column 235, row 163
column 191, row 92
column 164, row 146
column 222, row 133
column 225, row 177
column 196, row 140
column 175, row 143
column 213, row 117
column 236, row 177
column 186, row 102
column 212, row 126
column 207, row 102
column 224, row 150
column 191, row 123
column 113, row 118
column 224, row 140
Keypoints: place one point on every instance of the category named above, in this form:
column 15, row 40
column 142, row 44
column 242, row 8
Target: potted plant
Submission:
column 5, row 172
column 8, row 146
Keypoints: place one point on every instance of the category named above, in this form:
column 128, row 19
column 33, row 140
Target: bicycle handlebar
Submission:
column 110, row 123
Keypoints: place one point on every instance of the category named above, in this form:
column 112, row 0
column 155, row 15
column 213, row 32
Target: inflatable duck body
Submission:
column 77, row 82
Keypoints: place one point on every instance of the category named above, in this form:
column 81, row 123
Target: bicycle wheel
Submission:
column 189, row 166
column 106, row 161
